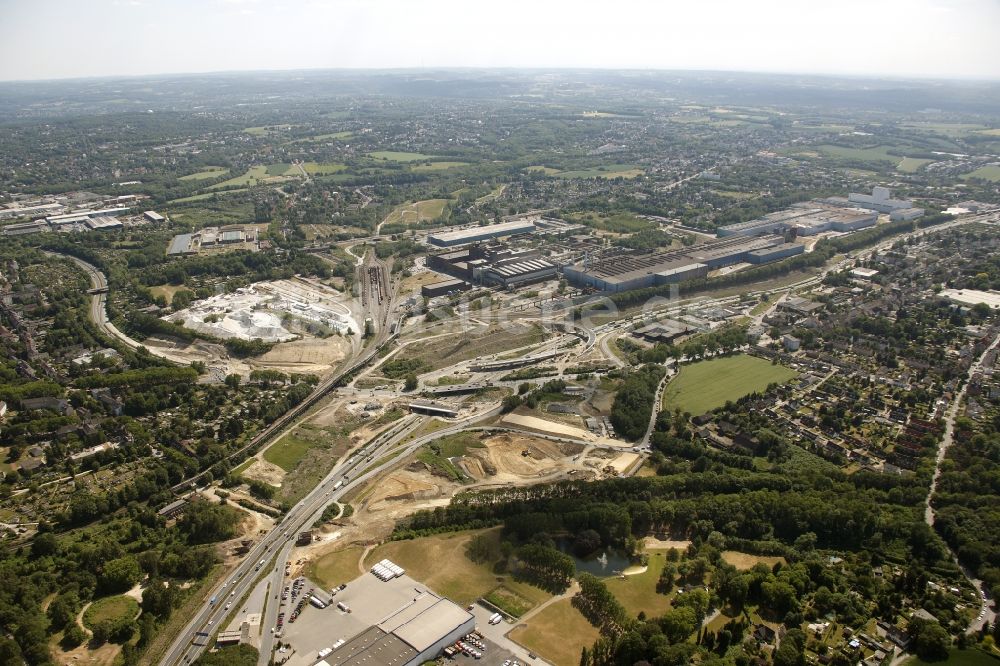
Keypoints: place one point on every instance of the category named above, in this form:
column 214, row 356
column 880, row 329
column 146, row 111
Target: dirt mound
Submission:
column 311, row 355
column 262, row 470
column 515, row 456
column 404, row 485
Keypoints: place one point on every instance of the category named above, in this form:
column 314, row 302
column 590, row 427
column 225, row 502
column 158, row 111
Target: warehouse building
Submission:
column 494, row 265
column 516, row 274
column 906, row 214
column 880, row 199
column 775, row 253
column 389, row 620
column 625, row 271
column 480, row 234
column 771, row 223
column 153, row 216
column 444, row 288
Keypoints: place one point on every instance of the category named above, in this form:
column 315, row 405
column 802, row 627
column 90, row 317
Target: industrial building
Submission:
column 153, row 216
column 494, row 265
column 390, row 620
column 906, row 214
column 775, row 253
column 880, row 199
column 625, row 271
column 444, row 288
column 480, row 234
column 806, row 219
column 212, row 238
column 771, row 223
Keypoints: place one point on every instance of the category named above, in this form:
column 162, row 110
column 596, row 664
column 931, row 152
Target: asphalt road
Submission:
column 276, row 546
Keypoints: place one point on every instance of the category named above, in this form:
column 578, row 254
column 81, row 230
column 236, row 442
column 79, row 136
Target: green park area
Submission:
column 637, row 592
column 911, row 164
column 607, row 171
column 335, row 568
column 701, row 387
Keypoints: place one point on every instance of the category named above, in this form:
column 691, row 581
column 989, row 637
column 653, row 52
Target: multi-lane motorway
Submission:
column 276, row 546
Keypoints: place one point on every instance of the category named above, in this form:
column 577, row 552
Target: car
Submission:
column 229, row 605
column 233, row 593
column 210, row 622
column 226, row 583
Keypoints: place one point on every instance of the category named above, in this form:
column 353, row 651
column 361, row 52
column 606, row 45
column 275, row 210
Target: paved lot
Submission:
column 497, row 634
column 493, row 655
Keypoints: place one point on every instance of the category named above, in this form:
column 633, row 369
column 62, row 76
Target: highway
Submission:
column 275, row 547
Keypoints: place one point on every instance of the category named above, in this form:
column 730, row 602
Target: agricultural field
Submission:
column 560, row 620
column 204, row 196
column 990, row 172
column 282, row 169
column 438, row 166
column 209, row 172
column 417, row 212
column 876, row 154
column 701, row 387
column 398, row 156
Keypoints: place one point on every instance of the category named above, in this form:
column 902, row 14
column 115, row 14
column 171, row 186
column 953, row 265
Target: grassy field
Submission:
column 911, row 164
column 638, row 593
column 956, row 657
column 322, row 169
column 166, row 290
column 259, row 174
column 416, row 212
column 438, row 166
column 335, row 568
column 397, row 156
column 287, row 451
column 560, row 620
column 281, row 169
column 440, row 562
column 607, row 171
column 746, row 561
column 703, row 386
column 202, row 197
column 110, row 608
column 548, row 171
column 877, row 154
column 209, row 172
column 991, row 172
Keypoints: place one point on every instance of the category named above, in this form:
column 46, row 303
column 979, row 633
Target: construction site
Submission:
column 276, row 311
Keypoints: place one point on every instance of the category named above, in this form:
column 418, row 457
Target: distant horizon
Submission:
column 54, row 40
column 516, row 69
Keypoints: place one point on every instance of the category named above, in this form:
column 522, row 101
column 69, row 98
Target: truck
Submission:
column 316, row 602
column 324, row 652
column 338, row 485
column 259, row 565
column 496, row 618
column 344, row 607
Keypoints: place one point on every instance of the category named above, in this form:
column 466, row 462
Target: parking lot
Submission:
column 493, row 655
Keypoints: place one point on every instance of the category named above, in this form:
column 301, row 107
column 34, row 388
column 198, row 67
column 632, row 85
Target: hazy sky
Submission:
column 73, row 38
